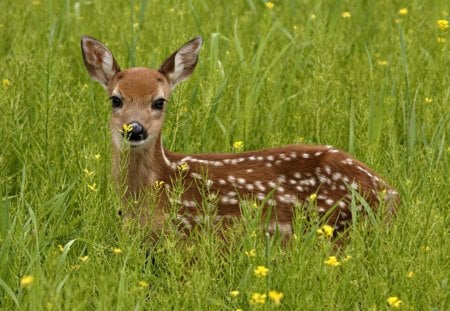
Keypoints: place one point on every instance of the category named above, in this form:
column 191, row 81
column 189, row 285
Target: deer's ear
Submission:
column 180, row 65
column 99, row 60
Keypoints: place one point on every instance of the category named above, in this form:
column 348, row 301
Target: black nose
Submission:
column 136, row 132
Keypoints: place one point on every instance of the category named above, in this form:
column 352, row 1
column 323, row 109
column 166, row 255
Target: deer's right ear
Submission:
column 99, row 60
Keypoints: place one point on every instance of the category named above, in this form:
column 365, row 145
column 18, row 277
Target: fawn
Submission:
column 280, row 179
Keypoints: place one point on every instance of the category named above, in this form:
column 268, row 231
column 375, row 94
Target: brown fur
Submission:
column 282, row 179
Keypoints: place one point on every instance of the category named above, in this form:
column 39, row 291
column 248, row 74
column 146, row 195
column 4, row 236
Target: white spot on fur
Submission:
column 260, row 186
column 249, row 187
column 329, row 202
column 195, row 175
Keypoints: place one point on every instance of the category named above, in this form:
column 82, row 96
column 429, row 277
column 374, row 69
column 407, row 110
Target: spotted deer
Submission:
column 280, row 179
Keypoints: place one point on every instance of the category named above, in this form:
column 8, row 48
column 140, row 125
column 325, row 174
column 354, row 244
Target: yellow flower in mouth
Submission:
column 442, row 24
column 403, row 12
column 276, row 296
column 258, row 299
column 346, row 14
column 332, row 261
column 127, row 128
column 261, row 271
column 394, row 302
column 26, row 281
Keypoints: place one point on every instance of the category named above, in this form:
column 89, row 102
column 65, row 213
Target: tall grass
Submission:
column 375, row 83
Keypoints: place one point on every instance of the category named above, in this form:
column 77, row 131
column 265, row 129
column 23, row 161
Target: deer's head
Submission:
column 138, row 95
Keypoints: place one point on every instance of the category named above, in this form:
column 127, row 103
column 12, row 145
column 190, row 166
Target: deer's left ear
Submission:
column 180, row 65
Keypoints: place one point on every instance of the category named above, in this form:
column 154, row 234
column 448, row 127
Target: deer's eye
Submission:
column 116, row 102
column 158, row 104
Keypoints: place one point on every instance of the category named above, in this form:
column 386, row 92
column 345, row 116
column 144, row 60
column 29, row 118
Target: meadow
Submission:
column 368, row 77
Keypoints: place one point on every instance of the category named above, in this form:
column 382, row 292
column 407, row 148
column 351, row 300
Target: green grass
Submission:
column 367, row 84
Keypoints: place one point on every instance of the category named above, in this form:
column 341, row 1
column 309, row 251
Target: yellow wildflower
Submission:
column 143, row 284
column 251, row 253
column 93, row 187
column 428, row 100
column 382, row 62
column 159, row 184
column 313, row 16
column 127, row 128
column 441, row 40
column 234, row 293
column 269, row 5
column 261, row 271
column 394, row 302
column 258, row 299
column 276, row 296
column 88, row 173
column 84, row 258
column 346, row 14
column 347, row 258
column 312, row 197
column 6, row 83
column 97, row 156
column 26, row 281
column 183, row 167
column 238, row 145
column 332, row 261
column 117, row 251
column 403, row 12
column 410, row 274
column 61, row 248
column 442, row 24
column 326, row 230
column 36, row 2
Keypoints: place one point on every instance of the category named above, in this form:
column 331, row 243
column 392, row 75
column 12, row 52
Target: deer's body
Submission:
column 281, row 179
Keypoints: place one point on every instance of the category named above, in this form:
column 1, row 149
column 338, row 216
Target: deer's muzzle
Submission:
column 136, row 132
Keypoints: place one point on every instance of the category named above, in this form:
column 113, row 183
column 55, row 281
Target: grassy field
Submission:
column 364, row 76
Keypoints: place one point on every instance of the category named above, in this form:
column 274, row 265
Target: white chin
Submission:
column 135, row 144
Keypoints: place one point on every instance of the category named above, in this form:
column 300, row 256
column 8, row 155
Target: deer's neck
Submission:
column 138, row 169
